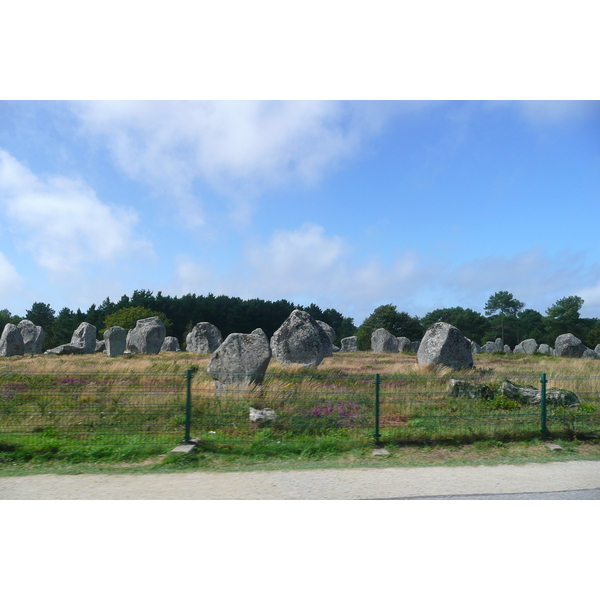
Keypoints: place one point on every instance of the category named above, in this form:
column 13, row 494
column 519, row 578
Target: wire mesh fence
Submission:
column 289, row 407
column 91, row 408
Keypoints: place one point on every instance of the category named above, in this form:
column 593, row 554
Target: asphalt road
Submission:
column 593, row 494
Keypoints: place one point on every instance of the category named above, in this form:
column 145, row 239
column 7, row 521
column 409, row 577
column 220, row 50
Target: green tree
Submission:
column 128, row 317
column 43, row 315
column 505, row 306
column 531, row 326
column 388, row 317
column 471, row 323
column 592, row 333
column 6, row 317
column 65, row 323
column 563, row 317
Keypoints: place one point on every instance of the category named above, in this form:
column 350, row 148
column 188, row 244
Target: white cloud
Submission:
column 308, row 265
column 293, row 262
column 10, row 281
column 240, row 148
column 62, row 222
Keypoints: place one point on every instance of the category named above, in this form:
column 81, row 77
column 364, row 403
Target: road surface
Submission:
column 559, row 480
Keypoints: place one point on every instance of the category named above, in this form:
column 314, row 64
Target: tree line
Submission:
column 503, row 316
column 229, row 314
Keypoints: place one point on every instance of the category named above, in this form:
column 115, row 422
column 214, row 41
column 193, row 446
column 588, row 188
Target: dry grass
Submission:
column 145, row 385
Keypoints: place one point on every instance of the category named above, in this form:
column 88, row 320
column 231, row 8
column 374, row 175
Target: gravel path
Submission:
column 326, row 484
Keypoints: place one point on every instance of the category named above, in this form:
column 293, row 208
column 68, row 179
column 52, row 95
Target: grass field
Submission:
column 95, row 412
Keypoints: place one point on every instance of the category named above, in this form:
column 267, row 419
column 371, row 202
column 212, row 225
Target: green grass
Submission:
column 93, row 412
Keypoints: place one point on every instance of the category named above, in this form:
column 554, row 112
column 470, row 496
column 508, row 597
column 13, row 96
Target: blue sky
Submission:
column 348, row 204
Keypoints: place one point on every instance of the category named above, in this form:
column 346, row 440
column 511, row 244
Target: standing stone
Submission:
column 204, row 338
column 115, row 339
column 568, row 345
column 11, row 342
column 328, row 329
column 499, row 345
column 530, row 346
column 349, row 344
column 33, row 336
column 507, row 349
column 300, row 340
column 171, row 344
column 490, row 347
column 240, row 361
column 146, row 337
column 403, row 344
column 545, row 349
column 414, row 346
column 383, row 341
column 590, row 354
column 445, row 345
column 85, row 337
column 100, row 346
column 597, row 348
column 475, row 348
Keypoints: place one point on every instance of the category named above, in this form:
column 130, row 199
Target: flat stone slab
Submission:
column 380, row 452
column 185, row 448
column 554, row 447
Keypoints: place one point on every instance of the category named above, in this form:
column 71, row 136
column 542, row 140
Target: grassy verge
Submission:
column 316, row 456
column 97, row 414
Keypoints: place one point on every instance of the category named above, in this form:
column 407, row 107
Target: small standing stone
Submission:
column 11, row 342
column 383, row 341
column 350, row 344
column 115, row 340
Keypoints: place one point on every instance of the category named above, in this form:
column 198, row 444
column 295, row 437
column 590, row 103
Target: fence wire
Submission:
column 77, row 408
column 301, row 407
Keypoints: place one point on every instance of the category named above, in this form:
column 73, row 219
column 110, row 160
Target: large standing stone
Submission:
column 241, row 360
column 300, row 340
column 204, row 338
column 568, row 345
column 11, row 342
column 115, row 339
column 349, row 344
column 146, row 337
column 85, row 337
column 383, row 341
column 171, row 344
column 328, row 329
column 445, row 345
column 529, row 346
column 33, row 336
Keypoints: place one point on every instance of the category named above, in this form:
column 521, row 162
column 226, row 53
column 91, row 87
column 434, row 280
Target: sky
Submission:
column 347, row 204
column 426, row 156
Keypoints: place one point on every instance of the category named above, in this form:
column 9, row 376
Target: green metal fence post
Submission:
column 543, row 407
column 377, row 435
column 188, row 406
